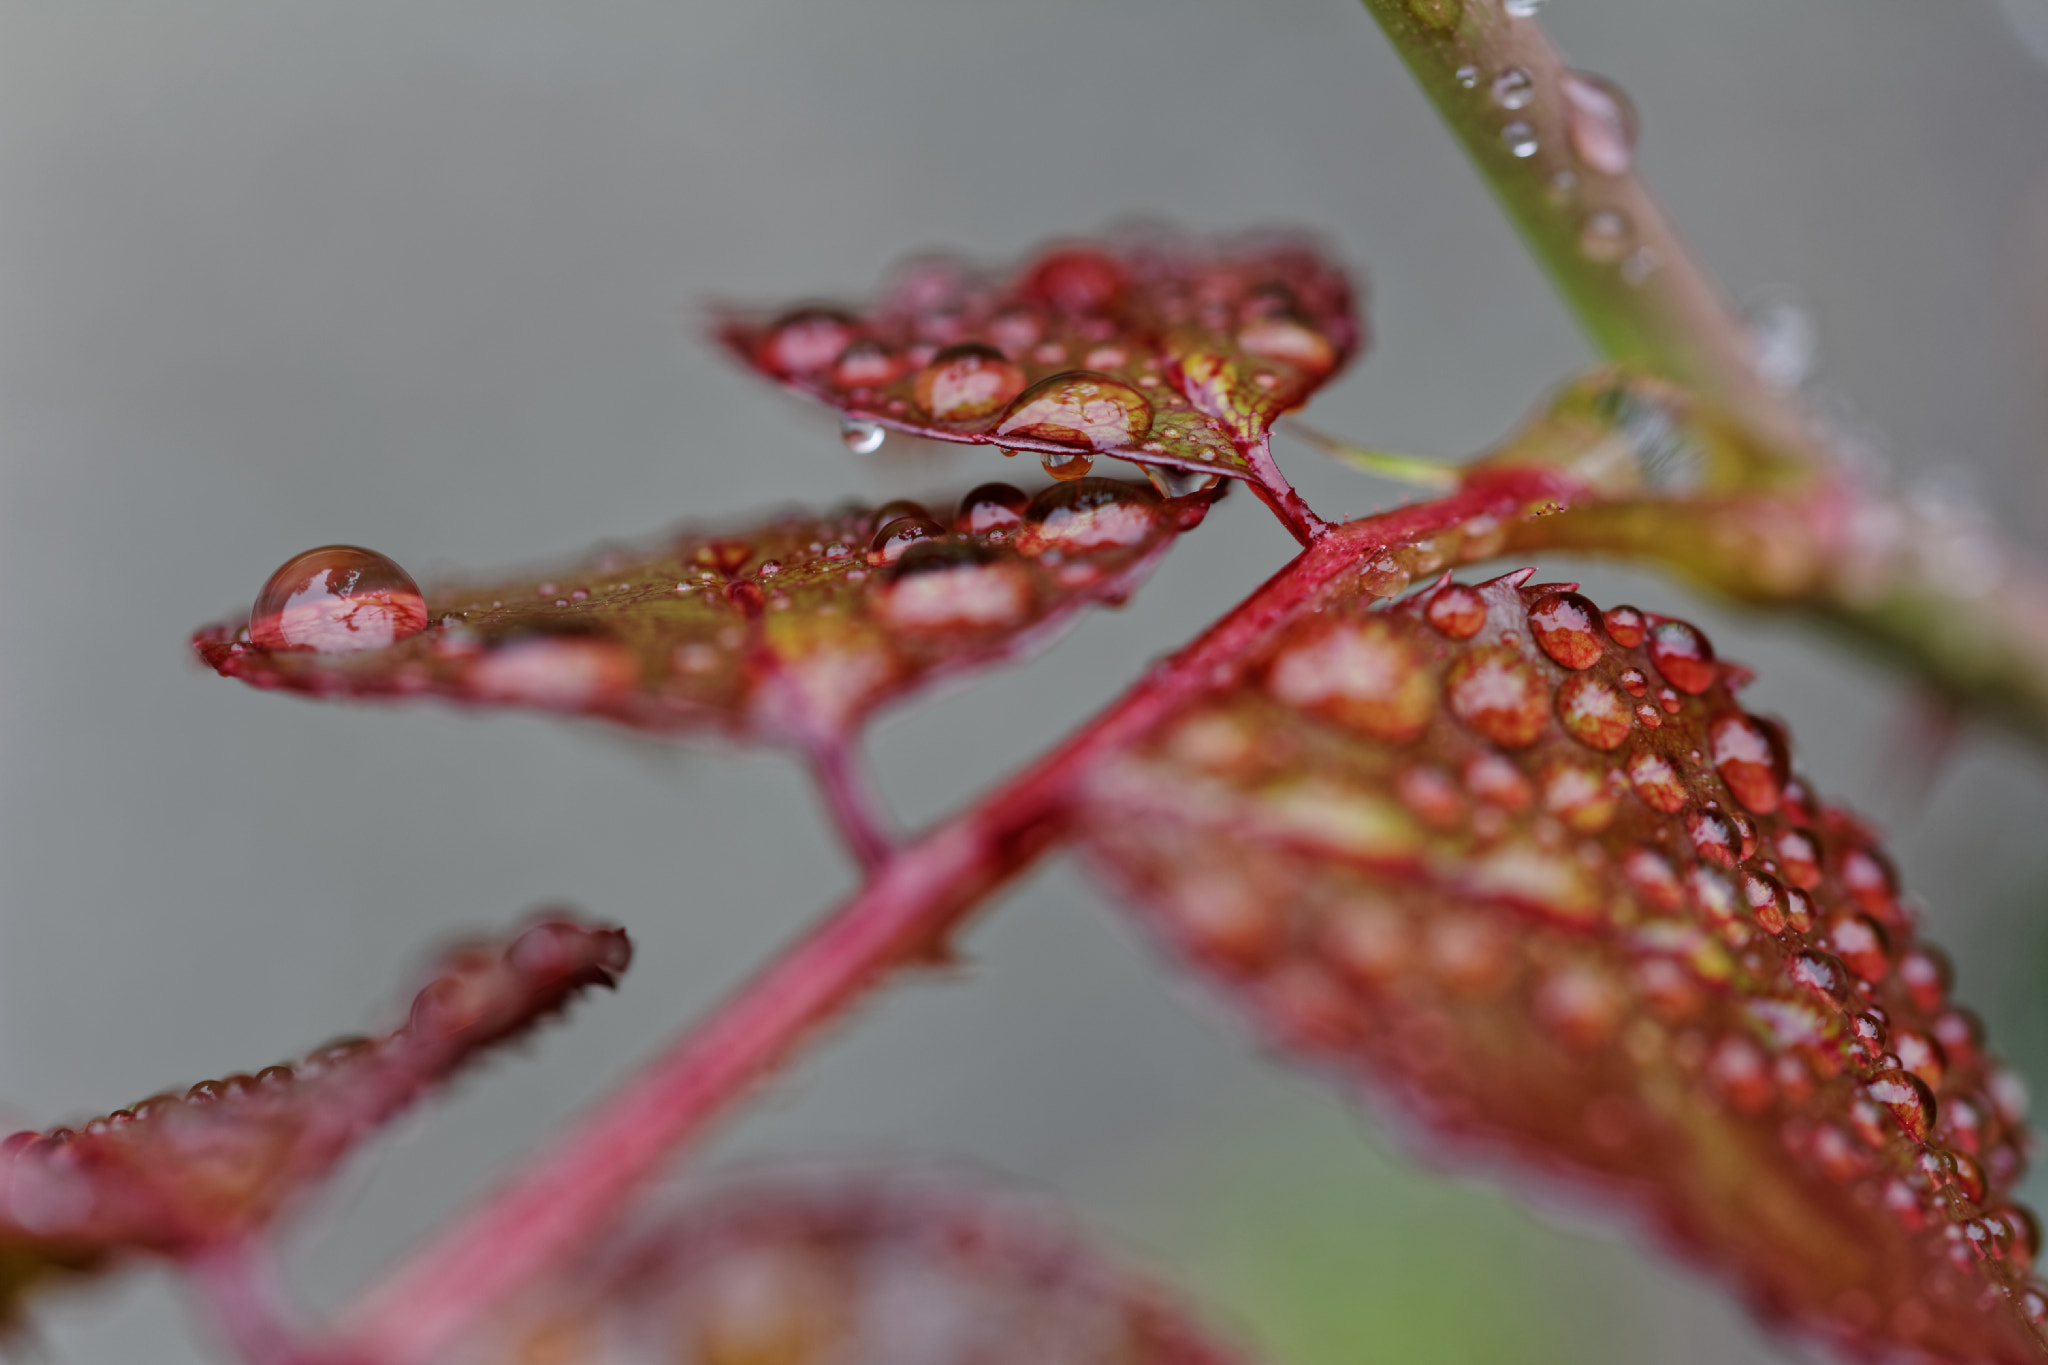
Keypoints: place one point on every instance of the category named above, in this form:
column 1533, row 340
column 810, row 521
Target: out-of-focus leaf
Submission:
column 176, row 1173
column 1169, row 352
column 1529, row 871
column 862, row 1270
column 791, row 630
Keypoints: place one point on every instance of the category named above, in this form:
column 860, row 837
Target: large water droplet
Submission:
column 867, row 363
column 1579, row 794
column 990, row 508
column 1067, row 465
column 1625, row 626
column 1563, row 624
column 1174, row 482
column 1601, row 122
column 1592, row 712
column 1908, row 1099
column 1283, row 338
column 1870, row 879
column 1799, row 859
column 1714, row 836
column 1520, row 139
column 1514, row 88
column 1819, row 973
column 1457, row 610
column 1604, row 236
column 1076, row 280
column 1089, row 515
column 806, row 341
column 1499, row 694
column 337, row 599
column 1749, row 760
column 956, row 585
column 1683, row 656
column 1363, row 674
column 1656, row 781
column 1862, row 945
column 1079, row 408
column 1522, row 9
column 1766, row 900
column 862, row 438
column 899, row 535
column 967, row 381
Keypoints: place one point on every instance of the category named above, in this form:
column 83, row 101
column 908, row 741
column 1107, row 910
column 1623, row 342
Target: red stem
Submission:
column 910, row 904
column 851, row 800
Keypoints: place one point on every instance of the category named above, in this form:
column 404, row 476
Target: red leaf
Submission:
column 793, row 630
column 869, row 1269
column 1165, row 351
column 1529, row 869
column 176, row 1173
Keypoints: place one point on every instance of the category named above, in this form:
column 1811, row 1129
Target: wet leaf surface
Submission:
column 890, row 1269
column 1170, row 352
column 791, row 630
column 182, row 1170
column 1527, row 870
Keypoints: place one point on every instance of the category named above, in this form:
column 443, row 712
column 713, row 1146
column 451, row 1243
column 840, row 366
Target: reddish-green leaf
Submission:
column 180, row 1171
column 1531, row 870
column 1172, row 353
column 794, row 630
column 869, row 1270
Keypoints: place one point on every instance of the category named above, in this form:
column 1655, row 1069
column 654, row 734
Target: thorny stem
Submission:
column 1643, row 299
column 911, row 903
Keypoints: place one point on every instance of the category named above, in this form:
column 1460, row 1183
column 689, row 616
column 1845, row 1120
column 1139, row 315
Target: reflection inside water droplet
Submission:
column 1514, row 88
column 337, row 599
column 1520, row 139
column 1600, row 119
column 862, row 438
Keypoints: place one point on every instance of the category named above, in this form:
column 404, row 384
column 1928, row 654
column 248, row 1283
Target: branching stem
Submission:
column 851, row 800
column 912, row 901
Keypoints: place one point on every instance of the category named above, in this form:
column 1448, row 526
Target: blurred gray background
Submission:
column 426, row 275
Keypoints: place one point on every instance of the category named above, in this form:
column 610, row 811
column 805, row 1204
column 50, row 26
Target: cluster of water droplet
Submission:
column 1086, row 350
column 1530, row 862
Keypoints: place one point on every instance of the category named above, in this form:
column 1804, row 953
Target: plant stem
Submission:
column 910, row 904
column 851, row 800
column 1640, row 295
column 238, row 1284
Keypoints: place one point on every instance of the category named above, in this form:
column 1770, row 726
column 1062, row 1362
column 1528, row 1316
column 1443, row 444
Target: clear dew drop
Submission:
column 1078, row 408
column 1514, row 88
column 1457, row 610
column 1600, row 120
column 1520, row 139
column 1500, row 695
column 1068, row 464
column 1748, row 759
column 899, row 535
column 1564, row 624
column 967, row 381
column 1468, row 77
column 1604, row 236
column 1522, row 9
column 1683, row 656
column 992, row 508
column 337, row 599
column 1089, row 516
column 1180, row 483
column 862, row 438
column 806, row 341
column 1592, row 713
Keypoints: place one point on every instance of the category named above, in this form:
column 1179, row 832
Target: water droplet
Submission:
column 1625, row 626
column 1749, row 759
column 1457, row 611
column 899, row 535
column 1921, row 1055
column 955, row 585
column 1739, row 1073
column 991, row 507
column 1798, row 909
column 1067, row 465
column 1604, row 236
column 1766, row 900
column 806, row 341
column 1499, row 694
column 1862, row 945
column 1562, row 623
column 1926, row 975
column 1872, row 882
column 1173, row 482
column 1799, row 859
column 1522, row 9
column 1441, row 15
column 1514, row 88
column 967, row 381
column 1498, row 782
column 1089, row 515
column 1650, row 876
column 1656, row 781
column 1363, row 674
column 1714, row 836
column 1286, row 339
column 1520, row 139
column 1468, row 76
column 1908, row 1099
column 1592, row 712
column 1076, row 280
column 862, row 438
column 866, row 364
column 1079, row 408
column 1579, row 794
column 1600, row 119
column 1683, row 656
column 337, row 599
column 1820, row 973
